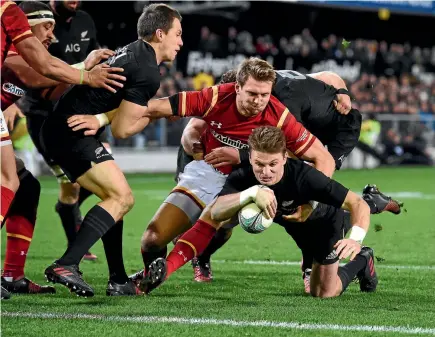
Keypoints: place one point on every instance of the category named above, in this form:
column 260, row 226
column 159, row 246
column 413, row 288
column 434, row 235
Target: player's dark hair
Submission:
column 268, row 139
column 33, row 6
column 256, row 68
column 153, row 17
column 229, row 77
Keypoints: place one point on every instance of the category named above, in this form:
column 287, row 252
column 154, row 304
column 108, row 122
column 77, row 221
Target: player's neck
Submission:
column 156, row 50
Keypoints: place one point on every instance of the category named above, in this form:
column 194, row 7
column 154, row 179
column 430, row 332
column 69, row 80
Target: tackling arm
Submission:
column 227, row 206
column 129, row 119
column 192, row 134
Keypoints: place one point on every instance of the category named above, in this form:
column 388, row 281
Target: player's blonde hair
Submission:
column 256, row 68
column 268, row 139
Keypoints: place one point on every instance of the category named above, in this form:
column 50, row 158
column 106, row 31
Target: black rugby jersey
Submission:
column 300, row 184
column 143, row 80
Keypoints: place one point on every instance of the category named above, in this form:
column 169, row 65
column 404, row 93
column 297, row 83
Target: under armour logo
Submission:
column 218, row 125
column 184, row 257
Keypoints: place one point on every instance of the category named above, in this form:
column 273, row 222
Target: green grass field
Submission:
column 258, row 288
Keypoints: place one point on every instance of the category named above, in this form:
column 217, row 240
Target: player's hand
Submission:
column 96, row 56
column 10, row 114
column 266, row 201
column 197, row 150
column 80, row 122
column 347, row 247
column 302, row 213
column 343, row 104
column 102, row 76
column 222, row 156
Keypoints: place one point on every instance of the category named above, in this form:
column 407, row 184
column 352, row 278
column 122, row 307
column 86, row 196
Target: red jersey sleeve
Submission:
column 194, row 103
column 299, row 139
column 15, row 22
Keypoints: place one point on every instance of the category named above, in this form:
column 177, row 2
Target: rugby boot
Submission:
column 70, row 277
column 26, row 286
column 129, row 288
column 155, row 276
column 380, row 202
column 202, row 270
column 367, row 277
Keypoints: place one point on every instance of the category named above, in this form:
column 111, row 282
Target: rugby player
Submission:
column 316, row 99
column 15, row 30
column 85, row 160
column 292, row 183
column 21, row 217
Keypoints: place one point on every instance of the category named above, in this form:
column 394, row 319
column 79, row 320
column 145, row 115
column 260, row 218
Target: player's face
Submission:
column 253, row 97
column 71, row 5
column 44, row 32
column 268, row 167
column 172, row 41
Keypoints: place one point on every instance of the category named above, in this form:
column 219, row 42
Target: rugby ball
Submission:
column 252, row 220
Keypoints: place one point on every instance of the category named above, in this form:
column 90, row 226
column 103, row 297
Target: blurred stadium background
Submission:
column 384, row 50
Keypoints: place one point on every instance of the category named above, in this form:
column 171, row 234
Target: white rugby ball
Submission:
column 252, row 220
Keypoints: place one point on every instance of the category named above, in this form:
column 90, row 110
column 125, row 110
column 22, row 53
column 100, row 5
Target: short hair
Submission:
column 268, row 139
column 156, row 16
column 256, row 68
column 229, row 77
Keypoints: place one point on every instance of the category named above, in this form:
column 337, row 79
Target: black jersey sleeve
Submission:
column 142, row 83
column 314, row 185
column 238, row 181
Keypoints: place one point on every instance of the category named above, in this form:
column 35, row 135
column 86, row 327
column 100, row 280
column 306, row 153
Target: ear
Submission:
column 159, row 34
column 238, row 87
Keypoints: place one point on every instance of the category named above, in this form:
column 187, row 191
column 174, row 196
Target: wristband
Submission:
column 102, row 119
column 82, row 74
column 357, row 233
column 313, row 204
column 80, row 66
column 248, row 195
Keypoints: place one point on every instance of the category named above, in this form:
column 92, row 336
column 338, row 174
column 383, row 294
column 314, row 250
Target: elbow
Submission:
column 119, row 133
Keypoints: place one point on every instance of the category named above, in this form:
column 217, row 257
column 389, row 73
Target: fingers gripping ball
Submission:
column 252, row 220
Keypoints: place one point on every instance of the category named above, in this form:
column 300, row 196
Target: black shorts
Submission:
column 72, row 151
column 345, row 137
column 317, row 237
column 182, row 160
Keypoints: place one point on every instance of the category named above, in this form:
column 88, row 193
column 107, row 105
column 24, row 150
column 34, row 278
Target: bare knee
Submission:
column 125, row 200
column 69, row 193
column 152, row 239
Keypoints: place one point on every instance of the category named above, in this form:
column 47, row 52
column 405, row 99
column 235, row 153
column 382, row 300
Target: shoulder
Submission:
column 275, row 105
column 84, row 16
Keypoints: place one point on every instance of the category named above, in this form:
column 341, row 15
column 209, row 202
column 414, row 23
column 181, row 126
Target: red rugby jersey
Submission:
column 15, row 27
column 227, row 127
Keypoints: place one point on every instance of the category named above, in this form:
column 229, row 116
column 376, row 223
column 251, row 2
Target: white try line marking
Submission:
column 298, row 263
column 224, row 322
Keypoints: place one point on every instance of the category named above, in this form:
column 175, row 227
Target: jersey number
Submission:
column 294, row 75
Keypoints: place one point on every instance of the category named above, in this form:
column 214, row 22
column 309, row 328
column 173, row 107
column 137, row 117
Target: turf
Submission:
column 243, row 294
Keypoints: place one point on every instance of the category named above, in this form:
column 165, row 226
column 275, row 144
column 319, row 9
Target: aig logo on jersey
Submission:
column 72, row 48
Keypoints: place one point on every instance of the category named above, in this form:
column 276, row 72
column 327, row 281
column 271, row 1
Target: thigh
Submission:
column 197, row 187
column 73, row 153
column 346, row 136
column 105, row 180
column 167, row 223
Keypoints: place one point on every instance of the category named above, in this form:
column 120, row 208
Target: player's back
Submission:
column 308, row 99
column 138, row 60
